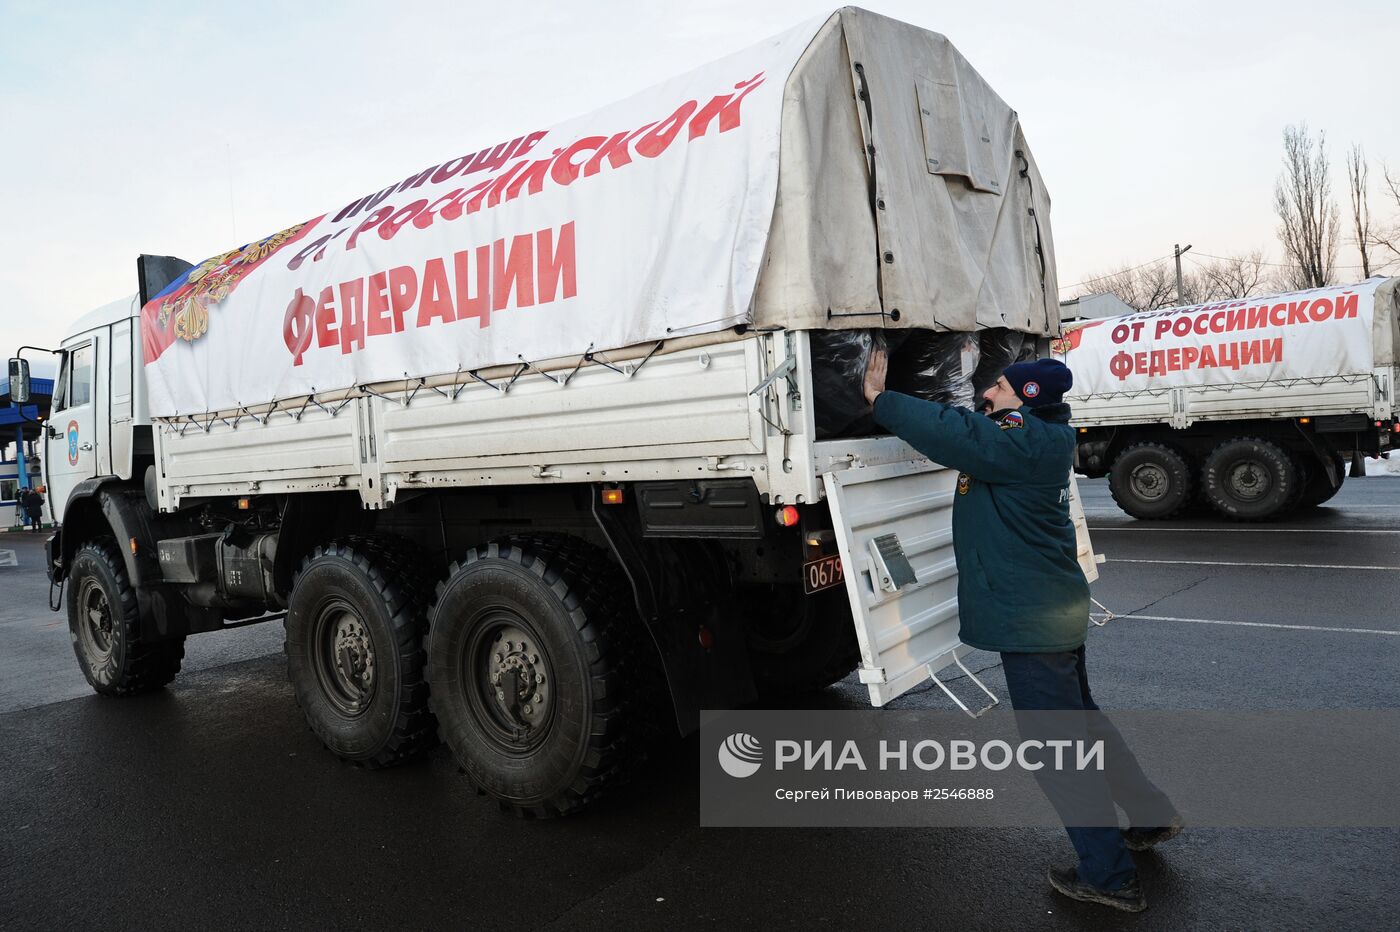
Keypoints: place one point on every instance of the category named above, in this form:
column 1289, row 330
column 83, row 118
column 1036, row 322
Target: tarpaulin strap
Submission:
column 411, row 394
column 578, row 365
column 369, row 391
column 526, row 366
column 270, row 411
column 645, row 359
column 603, row 360
column 487, row 382
column 311, row 400
column 1039, row 242
column 457, row 386
column 864, row 95
column 830, row 315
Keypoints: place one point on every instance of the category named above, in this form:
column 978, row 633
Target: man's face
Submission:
column 1000, row 397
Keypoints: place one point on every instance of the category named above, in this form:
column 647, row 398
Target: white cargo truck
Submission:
column 552, row 437
column 1254, row 406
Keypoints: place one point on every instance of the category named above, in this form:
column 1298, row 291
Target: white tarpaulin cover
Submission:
column 1343, row 330
column 851, row 172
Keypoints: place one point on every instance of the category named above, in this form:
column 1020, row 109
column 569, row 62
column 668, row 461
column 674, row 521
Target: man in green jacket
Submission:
column 1022, row 594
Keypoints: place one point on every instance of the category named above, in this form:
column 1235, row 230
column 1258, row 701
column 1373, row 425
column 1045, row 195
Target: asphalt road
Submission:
column 210, row 805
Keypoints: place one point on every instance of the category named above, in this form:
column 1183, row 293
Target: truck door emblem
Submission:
column 72, row 443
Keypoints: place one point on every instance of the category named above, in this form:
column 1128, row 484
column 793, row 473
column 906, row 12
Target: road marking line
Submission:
column 7, row 558
column 1261, row 624
column 1253, row 530
column 1297, row 566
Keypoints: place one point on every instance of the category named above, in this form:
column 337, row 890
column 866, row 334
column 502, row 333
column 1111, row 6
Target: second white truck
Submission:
column 1255, row 407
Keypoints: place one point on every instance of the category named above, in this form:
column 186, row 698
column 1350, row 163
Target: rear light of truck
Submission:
column 787, row 516
column 613, row 497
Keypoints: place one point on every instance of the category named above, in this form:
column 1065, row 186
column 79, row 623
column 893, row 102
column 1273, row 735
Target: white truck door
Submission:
column 72, row 455
column 907, row 627
column 903, row 626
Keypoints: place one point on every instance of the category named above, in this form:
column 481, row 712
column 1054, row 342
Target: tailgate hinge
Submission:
column 716, row 463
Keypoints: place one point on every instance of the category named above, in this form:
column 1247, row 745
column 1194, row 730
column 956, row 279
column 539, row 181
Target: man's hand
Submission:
column 875, row 371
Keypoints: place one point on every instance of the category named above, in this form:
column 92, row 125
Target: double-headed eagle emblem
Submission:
column 212, row 281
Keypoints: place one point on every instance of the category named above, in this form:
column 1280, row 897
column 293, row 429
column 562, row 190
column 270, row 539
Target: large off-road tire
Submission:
column 798, row 643
column 1249, row 479
column 1319, row 488
column 355, row 658
column 105, row 625
column 1151, row 481
column 543, row 679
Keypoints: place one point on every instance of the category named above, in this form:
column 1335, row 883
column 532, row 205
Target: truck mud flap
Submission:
column 894, row 527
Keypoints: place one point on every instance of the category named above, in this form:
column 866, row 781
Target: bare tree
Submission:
column 1357, row 176
column 1307, row 214
column 1388, row 237
column 1143, row 288
column 1231, row 277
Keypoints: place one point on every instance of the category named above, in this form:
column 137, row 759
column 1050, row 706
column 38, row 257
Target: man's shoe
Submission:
column 1141, row 839
column 1129, row 898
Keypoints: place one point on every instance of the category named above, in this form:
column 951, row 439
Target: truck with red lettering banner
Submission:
column 1254, row 406
column 550, row 442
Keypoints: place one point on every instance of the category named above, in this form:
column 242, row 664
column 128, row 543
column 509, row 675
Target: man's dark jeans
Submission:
column 1052, row 682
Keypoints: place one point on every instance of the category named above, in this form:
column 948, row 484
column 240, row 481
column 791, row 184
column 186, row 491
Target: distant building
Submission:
column 19, row 435
column 1094, row 306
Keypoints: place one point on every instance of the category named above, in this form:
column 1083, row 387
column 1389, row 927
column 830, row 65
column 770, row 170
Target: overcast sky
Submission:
column 186, row 129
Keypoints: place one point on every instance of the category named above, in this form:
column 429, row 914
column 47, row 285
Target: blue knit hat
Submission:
column 1040, row 381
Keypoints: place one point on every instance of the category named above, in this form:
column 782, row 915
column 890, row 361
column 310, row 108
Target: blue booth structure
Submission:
column 19, row 447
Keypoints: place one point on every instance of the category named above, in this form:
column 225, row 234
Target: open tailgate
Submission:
column 901, row 632
column 907, row 628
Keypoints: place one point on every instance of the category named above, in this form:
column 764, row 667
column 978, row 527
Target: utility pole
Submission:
column 1178, row 252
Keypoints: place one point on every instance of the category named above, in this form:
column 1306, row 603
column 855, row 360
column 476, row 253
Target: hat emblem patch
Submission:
column 1031, row 389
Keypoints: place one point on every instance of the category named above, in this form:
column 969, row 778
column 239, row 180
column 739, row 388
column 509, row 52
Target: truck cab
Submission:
column 99, row 425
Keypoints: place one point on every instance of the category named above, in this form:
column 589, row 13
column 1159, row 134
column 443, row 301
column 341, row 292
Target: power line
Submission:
column 1116, row 272
column 1195, row 254
column 1277, row 265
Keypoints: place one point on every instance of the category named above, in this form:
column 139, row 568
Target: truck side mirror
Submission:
column 19, row 381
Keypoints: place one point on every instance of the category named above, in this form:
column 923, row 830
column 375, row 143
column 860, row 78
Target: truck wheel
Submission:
column 1151, row 481
column 1248, row 479
column 355, row 624
column 539, row 679
column 798, row 643
column 1319, row 488
column 105, row 625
